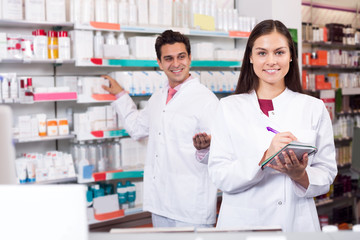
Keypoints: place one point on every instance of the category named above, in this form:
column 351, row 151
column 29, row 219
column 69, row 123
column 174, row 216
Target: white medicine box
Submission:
column 12, row 9
column 35, row 10
column 56, row 10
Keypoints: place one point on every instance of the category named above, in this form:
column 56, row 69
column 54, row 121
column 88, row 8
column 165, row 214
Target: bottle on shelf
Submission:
column 112, row 10
column 79, row 86
column 74, row 151
column 185, row 14
column 53, row 45
column 110, row 39
column 177, row 13
column 40, row 44
column 122, row 194
column 92, row 154
column 100, row 156
column 64, row 45
column 123, row 12
column 87, row 11
column 5, row 90
column 116, row 161
column 83, row 159
column 29, row 91
column 132, row 13
column 69, row 117
column 100, row 11
column 131, row 194
column 98, row 45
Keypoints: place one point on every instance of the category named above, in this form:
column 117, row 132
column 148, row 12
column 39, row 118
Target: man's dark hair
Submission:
column 171, row 37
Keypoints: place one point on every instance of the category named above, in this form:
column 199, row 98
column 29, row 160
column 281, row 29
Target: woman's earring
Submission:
column 250, row 61
column 290, row 60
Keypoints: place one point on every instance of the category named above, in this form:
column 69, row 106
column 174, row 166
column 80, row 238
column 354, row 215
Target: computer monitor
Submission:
column 7, row 151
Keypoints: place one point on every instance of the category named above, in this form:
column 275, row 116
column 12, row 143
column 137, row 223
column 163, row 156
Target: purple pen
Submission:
column 272, row 130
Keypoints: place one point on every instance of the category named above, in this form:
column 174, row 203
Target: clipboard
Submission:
column 299, row 149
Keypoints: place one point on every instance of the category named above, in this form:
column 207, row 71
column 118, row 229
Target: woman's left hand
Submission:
column 293, row 167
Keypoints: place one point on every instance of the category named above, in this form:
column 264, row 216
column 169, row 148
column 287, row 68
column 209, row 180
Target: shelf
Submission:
column 102, row 134
column 96, row 98
column 33, row 24
column 59, row 96
column 215, row 63
column 39, row 139
column 330, row 67
column 45, row 61
column 158, row 30
column 350, row 91
column 113, row 175
column 223, row 92
column 128, row 212
column 58, row 181
column 332, row 45
column 342, row 140
column 333, row 201
column 96, row 62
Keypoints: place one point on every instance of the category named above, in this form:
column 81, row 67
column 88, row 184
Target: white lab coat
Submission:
column 176, row 185
column 253, row 197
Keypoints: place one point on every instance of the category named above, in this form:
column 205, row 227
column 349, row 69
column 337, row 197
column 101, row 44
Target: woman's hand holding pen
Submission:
column 278, row 142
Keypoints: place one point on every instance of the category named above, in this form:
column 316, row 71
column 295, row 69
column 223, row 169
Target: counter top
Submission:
column 348, row 235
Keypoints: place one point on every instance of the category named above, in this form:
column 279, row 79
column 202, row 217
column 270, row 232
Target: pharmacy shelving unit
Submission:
column 92, row 67
column 326, row 207
column 99, row 62
column 157, row 30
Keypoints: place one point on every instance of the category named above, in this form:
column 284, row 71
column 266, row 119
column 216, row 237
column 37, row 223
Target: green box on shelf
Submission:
column 127, row 174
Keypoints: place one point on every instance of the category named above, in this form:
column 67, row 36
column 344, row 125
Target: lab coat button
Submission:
column 163, row 110
column 159, row 133
column 279, row 202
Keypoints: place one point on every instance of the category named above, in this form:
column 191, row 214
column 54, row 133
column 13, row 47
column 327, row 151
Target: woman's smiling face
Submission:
column 270, row 57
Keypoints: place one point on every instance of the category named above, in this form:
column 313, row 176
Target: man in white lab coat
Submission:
column 177, row 189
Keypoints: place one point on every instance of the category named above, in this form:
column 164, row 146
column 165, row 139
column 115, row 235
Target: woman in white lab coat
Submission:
column 269, row 94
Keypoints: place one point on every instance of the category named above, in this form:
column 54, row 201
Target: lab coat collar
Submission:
column 177, row 88
column 278, row 101
column 189, row 81
column 186, row 83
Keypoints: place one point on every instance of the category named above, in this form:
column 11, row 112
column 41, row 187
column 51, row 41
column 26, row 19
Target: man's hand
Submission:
column 114, row 88
column 201, row 141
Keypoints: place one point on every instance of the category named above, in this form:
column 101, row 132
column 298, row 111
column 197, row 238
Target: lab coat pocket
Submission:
column 233, row 216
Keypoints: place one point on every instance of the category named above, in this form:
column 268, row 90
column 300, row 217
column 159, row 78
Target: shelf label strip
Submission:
column 104, row 25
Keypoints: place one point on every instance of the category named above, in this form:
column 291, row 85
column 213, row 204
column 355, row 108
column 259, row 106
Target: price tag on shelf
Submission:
column 105, row 26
